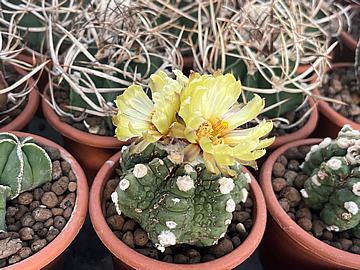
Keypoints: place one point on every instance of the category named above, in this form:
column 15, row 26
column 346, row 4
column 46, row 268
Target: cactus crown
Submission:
column 177, row 203
column 23, row 166
column 333, row 186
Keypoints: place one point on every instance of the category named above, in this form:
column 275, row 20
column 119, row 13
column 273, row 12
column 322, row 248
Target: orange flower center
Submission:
column 213, row 132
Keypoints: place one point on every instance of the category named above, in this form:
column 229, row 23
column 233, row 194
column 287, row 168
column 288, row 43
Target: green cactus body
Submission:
column 23, row 166
column 333, row 186
column 177, row 203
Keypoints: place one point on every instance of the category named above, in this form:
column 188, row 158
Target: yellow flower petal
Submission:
column 265, row 143
column 191, row 152
column 177, row 130
column 210, row 163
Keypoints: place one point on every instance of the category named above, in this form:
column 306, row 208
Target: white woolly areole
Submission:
column 171, row 224
column 332, row 228
column 222, row 235
column 350, row 133
column 315, row 180
column 353, row 154
column 342, row 142
column 304, row 193
column 325, row 143
column 115, row 200
column 226, row 185
column 175, row 151
column 161, row 162
column 140, row 170
column 244, row 194
column 124, row 184
column 356, row 189
column 160, row 247
column 334, row 164
column 227, row 222
column 188, row 168
column 314, row 148
column 307, row 157
column 248, row 178
column 175, row 200
column 351, row 207
column 230, row 206
column 321, row 174
column 167, row 238
column 185, row 183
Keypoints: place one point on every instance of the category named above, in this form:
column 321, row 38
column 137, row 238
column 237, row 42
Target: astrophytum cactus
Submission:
column 333, row 186
column 23, row 166
column 176, row 202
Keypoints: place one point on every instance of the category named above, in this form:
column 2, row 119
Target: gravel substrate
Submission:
column 287, row 181
column 36, row 217
column 341, row 84
column 135, row 237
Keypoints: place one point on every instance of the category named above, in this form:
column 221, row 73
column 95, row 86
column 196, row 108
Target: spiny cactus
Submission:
column 175, row 202
column 333, row 186
column 23, row 166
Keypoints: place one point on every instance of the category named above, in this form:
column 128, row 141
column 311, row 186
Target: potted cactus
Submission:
column 181, row 179
column 321, row 230
column 19, row 98
column 341, row 86
column 274, row 47
column 43, row 201
column 102, row 60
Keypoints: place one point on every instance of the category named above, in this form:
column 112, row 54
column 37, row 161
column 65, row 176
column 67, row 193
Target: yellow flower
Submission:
column 211, row 117
column 138, row 116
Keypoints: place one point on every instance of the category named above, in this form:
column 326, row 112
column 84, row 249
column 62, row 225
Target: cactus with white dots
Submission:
column 23, row 166
column 333, row 186
column 177, row 203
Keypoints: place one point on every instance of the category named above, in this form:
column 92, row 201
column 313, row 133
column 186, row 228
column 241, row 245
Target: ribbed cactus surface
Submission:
column 23, row 166
column 333, row 186
column 175, row 202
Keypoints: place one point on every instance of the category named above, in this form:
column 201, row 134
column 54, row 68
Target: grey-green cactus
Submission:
column 333, row 186
column 175, row 202
column 23, row 166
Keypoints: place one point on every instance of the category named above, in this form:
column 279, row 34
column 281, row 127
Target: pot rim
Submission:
column 289, row 226
column 30, row 109
column 56, row 247
column 138, row 261
column 74, row 133
column 325, row 108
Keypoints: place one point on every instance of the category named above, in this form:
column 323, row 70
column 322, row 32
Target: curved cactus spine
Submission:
column 23, row 166
column 333, row 185
column 177, row 203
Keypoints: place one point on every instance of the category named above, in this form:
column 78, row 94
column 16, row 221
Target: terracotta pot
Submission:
column 285, row 244
column 330, row 121
column 52, row 256
column 27, row 114
column 127, row 258
column 90, row 150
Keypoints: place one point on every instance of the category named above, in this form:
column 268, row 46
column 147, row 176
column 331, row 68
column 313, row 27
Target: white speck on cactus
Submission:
column 304, row 193
column 167, row 238
column 334, row 164
column 248, row 178
column 161, row 162
column 325, row 143
column 332, row 228
column 356, row 189
column 124, row 184
column 226, row 185
column 314, row 148
column 315, row 180
column 342, row 142
column 171, row 224
column 301, row 166
column 185, row 183
column 188, row 168
column 351, row 207
column 115, row 200
column 175, row 200
column 140, row 170
column 230, row 206
column 244, row 194
column 353, row 154
column 307, row 157
column 227, row 222
column 176, row 157
column 160, row 247
column 222, row 235
column 138, row 210
column 321, row 174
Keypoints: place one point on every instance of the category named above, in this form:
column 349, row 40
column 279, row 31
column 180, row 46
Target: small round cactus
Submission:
column 333, row 186
column 23, row 166
column 175, row 202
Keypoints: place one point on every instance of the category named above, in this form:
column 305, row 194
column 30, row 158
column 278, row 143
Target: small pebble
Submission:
column 129, row 225
column 140, row 237
column 115, row 222
column 49, row 199
column 128, row 239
